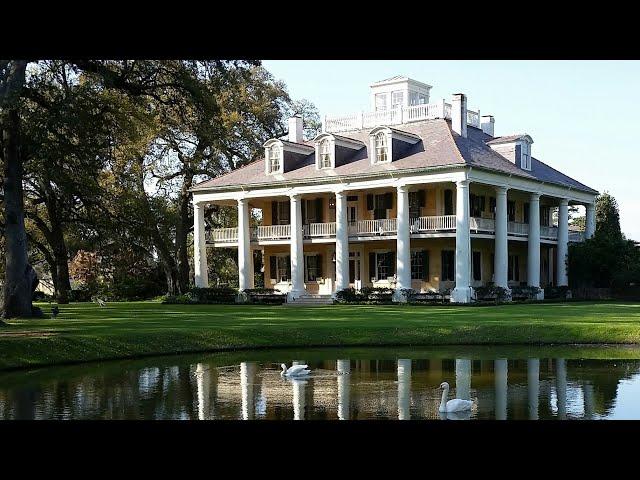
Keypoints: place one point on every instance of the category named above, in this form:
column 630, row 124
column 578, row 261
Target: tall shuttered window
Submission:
column 420, row 265
column 448, row 273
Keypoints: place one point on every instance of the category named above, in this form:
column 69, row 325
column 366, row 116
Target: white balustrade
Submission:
column 385, row 226
column 473, row 118
column 320, row 230
column 413, row 113
column 517, row 228
column 434, row 223
column 273, row 232
column 549, row 232
column 482, row 224
column 576, row 236
column 223, row 235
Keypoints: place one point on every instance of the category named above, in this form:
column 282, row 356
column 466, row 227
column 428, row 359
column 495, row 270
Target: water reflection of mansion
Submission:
column 339, row 389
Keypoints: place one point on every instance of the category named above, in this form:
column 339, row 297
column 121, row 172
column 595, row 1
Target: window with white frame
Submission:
column 381, row 101
column 313, row 267
column 397, row 99
column 382, row 147
column 525, row 162
column 325, row 153
column 419, row 264
column 275, row 153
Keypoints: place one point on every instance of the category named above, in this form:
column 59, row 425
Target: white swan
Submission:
column 455, row 405
column 294, row 370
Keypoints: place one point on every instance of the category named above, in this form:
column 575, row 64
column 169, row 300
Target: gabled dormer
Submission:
column 515, row 148
column 334, row 150
column 388, row 144
column 281, row 156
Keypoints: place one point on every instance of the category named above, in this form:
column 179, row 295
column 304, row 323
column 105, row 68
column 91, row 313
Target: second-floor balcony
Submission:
column 395, row 116
column 383, row 228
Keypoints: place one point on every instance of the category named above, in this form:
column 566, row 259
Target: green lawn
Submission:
column 84, row 332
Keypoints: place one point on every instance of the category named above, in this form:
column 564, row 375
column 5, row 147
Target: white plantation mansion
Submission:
column 413, row 195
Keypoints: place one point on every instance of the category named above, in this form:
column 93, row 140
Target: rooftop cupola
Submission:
column 397, row 92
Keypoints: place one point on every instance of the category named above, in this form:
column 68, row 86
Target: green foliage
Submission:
column 492, row 292
column 264, row 296
column 608, row 217
column 204, row 296
column 553, row 293
column 367, row 295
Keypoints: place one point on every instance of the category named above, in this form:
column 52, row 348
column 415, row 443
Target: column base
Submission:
column 295, row 294
column 462, row 295
column 540, row 295
column 400, row 295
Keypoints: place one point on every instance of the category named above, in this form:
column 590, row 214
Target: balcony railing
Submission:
column 273, row 232
column 396, row 116
column 433, row 224
column 222, row 235
column 315, row 230
column 386, row 226
column 549, row 233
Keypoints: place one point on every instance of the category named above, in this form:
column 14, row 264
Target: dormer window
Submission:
column 382, row 148
column 387, row 145
column 515, row 148
column 275, row 154
column 526, row 162
column 325, row 153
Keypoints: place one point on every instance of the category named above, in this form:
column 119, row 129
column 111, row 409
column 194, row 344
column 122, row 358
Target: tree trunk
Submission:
column 182, row 232
column 61, row 256
column 19, row 276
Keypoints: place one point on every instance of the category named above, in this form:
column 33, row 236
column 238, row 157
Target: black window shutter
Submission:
column 319, row 213
column 273, row 268
column 516, row 265
column 526, row 212
column 274, row 213
column 443, row 264
column 369, row 201
column 448, row 202
column 482, row 203
column 372, row 264
column 492, row 204
column 388, row 200
column 303, row 208
column 422, row 198
column 319, row 260
column 288, row 262
column 425, row 265
column 287, row 213
column 391, row 262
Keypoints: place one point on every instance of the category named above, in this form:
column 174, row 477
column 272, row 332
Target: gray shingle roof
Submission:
column 440, row 147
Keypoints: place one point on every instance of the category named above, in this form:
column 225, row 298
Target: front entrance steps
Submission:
column 310, row 300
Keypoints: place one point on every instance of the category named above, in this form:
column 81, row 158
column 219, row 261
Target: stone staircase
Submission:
column 311, row 300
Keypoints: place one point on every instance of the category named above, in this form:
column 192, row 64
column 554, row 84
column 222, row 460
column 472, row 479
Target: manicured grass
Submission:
column 85, row 332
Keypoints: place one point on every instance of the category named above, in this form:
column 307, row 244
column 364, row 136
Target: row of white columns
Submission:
column 462, row 292
column 248, row 372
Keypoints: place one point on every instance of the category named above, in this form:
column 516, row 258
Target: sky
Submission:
column 583, row 116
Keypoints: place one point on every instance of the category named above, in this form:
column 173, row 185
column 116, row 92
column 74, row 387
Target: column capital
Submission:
column 243, row 200
column 535, row 196
column 198, row 205
column 463, row 183
column 340, row 193
column 402, row 189
column 295, row 196
column 501, row 189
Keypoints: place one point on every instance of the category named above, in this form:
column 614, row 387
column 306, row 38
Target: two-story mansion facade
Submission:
column 411, row 195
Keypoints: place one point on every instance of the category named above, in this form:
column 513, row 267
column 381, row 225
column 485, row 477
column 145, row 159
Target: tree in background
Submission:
column 607, row 259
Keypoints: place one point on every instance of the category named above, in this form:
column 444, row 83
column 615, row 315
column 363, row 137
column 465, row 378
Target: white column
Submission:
column 533, row 244
column 500, row 372
column 589, row 403
column 403, row 246
column 463, row 378
column 561, row 387
column 533, row 386
column 501, row 257
column 247, row 379
column 342, row 242
column 199, row 247
column 297, row 253
column 404, row 389
column 344, row 389
column 462, row 292
column 299, row 398
column 590, row 220
column 245, row 272
column 203, row 382
column 563, row 242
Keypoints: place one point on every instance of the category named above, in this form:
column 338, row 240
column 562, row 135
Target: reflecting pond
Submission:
column 505, row 383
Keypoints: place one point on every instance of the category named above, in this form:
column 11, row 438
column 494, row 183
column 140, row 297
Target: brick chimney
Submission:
column 295, row 129
column 487, row 123
column 459, row 114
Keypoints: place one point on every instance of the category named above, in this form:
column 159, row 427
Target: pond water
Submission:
column 345, row 384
